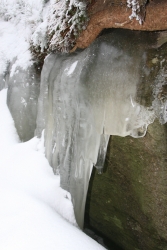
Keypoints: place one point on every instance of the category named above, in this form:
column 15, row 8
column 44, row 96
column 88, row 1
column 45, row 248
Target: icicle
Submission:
column 102, row 153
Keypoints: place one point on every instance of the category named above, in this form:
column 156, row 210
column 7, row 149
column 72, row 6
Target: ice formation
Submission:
column 84, row 98
column 138, row 9
column 22, row 99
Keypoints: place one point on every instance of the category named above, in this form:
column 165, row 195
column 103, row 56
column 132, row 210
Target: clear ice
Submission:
column 22, row 100
column 84, row 98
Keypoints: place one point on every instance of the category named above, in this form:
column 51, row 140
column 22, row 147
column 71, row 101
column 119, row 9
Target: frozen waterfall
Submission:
column 85, row 97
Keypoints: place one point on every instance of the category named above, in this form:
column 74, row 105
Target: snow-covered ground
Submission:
column 35, row 213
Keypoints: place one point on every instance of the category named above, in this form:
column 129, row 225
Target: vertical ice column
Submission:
column 102, row 152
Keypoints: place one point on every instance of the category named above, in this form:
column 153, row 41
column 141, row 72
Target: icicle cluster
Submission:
column 66, row 20
column 136, row 9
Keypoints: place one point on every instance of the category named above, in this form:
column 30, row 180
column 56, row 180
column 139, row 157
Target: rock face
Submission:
column 115, row 14
column 22, row 98
column 128, row 202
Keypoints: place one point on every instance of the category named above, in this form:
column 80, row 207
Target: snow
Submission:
column 13, row 46
column 32, row 203
column 61, row 21
column 135, row 6
column 21, row 23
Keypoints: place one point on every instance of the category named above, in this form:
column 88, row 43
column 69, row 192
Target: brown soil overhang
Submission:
column 105, row 16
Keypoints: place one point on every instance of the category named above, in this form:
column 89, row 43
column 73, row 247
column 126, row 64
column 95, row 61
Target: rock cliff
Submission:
column 115, row 14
